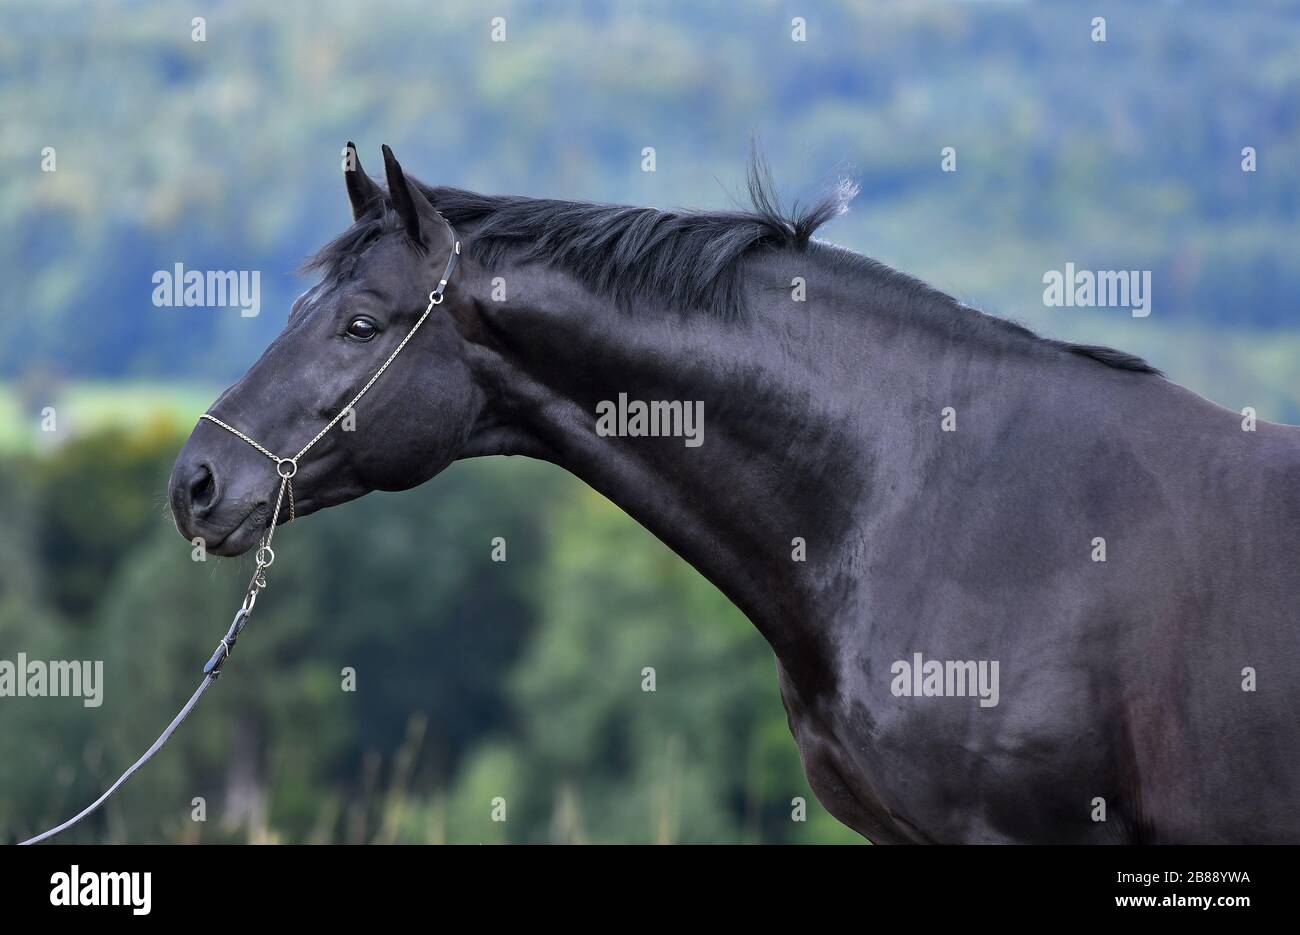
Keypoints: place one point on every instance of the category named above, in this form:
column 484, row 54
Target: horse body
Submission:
column 1121, row 679
column 884, row 474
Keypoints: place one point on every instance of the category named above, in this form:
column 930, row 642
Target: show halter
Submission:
column 286, row 468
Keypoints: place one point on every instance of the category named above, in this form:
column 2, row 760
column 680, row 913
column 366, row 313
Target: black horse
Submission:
column 1017, row 589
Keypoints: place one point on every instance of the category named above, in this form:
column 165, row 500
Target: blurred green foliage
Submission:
column 523, row 680
column 475, row 679
column 224, row 154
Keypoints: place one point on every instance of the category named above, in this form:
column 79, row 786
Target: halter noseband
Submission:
column 286, row 468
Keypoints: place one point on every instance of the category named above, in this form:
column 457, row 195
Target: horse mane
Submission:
column 682, row 259
column 689, row 260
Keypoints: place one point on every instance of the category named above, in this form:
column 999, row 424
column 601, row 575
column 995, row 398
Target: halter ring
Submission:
column 293, row 467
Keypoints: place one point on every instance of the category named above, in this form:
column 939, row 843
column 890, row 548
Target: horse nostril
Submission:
column 202, row 488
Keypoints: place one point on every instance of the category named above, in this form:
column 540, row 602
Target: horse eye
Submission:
column 363, row 329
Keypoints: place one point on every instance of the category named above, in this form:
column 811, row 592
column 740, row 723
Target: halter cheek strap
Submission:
column 265, row 555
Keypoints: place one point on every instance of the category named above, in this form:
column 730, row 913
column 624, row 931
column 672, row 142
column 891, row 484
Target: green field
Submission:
column 83, row 407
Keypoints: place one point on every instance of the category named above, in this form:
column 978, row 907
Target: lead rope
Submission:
column 264, row 557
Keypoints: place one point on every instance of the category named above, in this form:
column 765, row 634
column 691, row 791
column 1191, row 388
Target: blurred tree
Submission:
column 101, row 495
column 705, row 756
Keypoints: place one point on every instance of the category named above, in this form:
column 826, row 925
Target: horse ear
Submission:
column 362, row 190
column 407, row 199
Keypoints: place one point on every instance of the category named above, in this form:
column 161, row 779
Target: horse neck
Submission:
column 786, row 456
